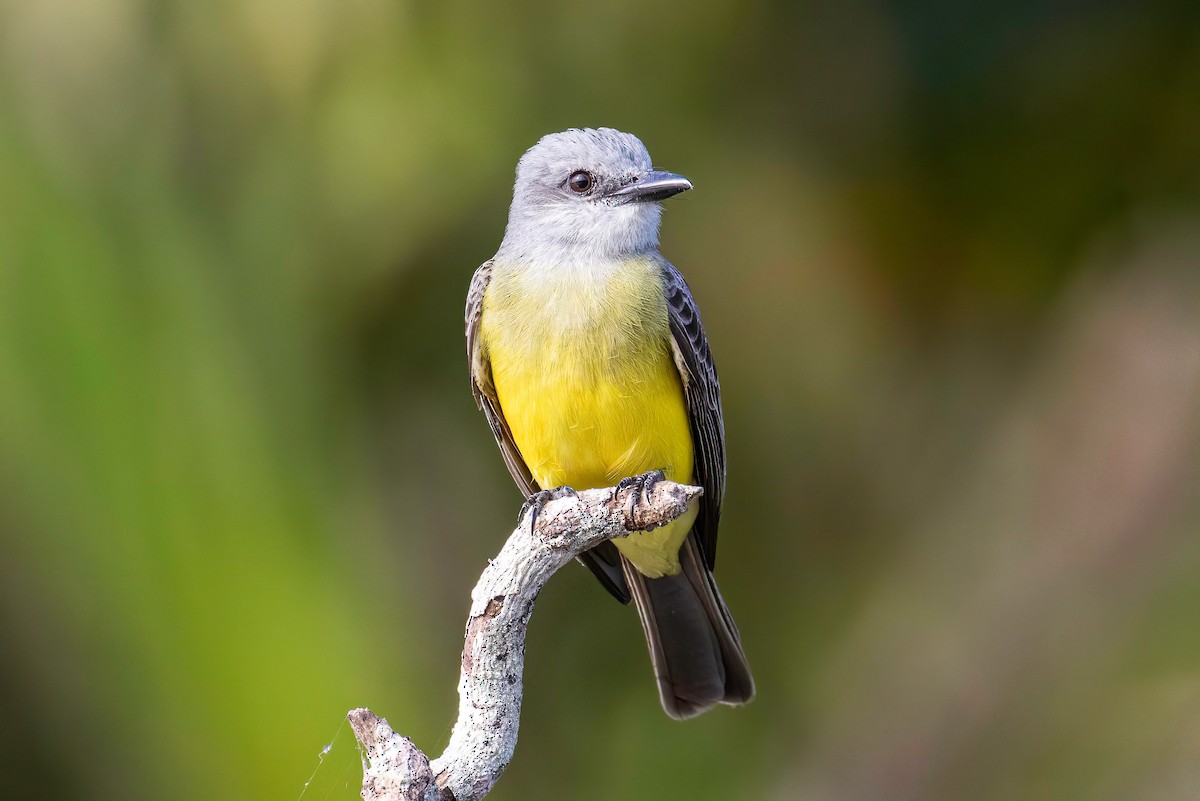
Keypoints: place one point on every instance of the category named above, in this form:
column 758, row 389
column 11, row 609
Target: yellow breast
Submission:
column 582, row 365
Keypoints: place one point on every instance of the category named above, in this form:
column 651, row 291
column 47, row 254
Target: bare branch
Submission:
column 493, row 658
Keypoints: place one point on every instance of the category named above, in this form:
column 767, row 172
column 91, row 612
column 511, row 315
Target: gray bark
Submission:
column 490, row 686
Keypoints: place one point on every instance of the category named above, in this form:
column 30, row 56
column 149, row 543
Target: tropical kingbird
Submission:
column 588, row 357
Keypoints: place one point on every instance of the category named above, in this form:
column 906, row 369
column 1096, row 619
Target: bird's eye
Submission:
column 580, row 182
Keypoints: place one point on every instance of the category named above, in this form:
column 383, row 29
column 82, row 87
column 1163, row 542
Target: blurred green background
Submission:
column 948, row 256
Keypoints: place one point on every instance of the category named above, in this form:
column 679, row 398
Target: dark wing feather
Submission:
column 604, row 560
column 703, row 396
column 483, row 389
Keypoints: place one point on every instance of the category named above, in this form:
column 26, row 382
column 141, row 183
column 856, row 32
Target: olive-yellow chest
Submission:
column 583, row 369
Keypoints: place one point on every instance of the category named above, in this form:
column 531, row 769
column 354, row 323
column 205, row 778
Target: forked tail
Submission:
column 694, row 644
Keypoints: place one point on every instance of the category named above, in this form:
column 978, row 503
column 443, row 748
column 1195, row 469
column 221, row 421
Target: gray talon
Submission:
column 642, row 485
column 535, row 502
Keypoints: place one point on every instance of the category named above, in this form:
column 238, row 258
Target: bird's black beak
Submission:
column 653, row 185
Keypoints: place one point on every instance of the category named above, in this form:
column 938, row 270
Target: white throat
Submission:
column 573, row 233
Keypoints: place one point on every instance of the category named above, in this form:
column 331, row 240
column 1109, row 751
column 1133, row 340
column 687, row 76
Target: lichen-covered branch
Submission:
column 489, row 687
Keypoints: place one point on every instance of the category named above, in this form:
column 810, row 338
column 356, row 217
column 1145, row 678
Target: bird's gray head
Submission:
column 586, row 194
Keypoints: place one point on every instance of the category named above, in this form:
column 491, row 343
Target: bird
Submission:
column 588, row 358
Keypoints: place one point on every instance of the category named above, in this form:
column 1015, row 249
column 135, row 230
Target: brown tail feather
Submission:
column 694, row 645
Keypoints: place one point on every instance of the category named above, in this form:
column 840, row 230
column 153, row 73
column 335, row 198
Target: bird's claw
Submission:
column 538, row 500
column 641, row 486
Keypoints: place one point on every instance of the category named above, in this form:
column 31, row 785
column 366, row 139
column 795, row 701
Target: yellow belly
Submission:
column 586, row 380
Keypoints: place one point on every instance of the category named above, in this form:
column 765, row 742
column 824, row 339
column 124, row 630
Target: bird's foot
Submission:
column 639, row 488
column 535, row 502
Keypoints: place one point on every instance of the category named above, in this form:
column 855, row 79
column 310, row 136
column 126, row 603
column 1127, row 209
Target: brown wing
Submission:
column 604, row 560
column 703, row 396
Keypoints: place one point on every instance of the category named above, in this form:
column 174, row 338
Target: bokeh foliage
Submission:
column 949, row 259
